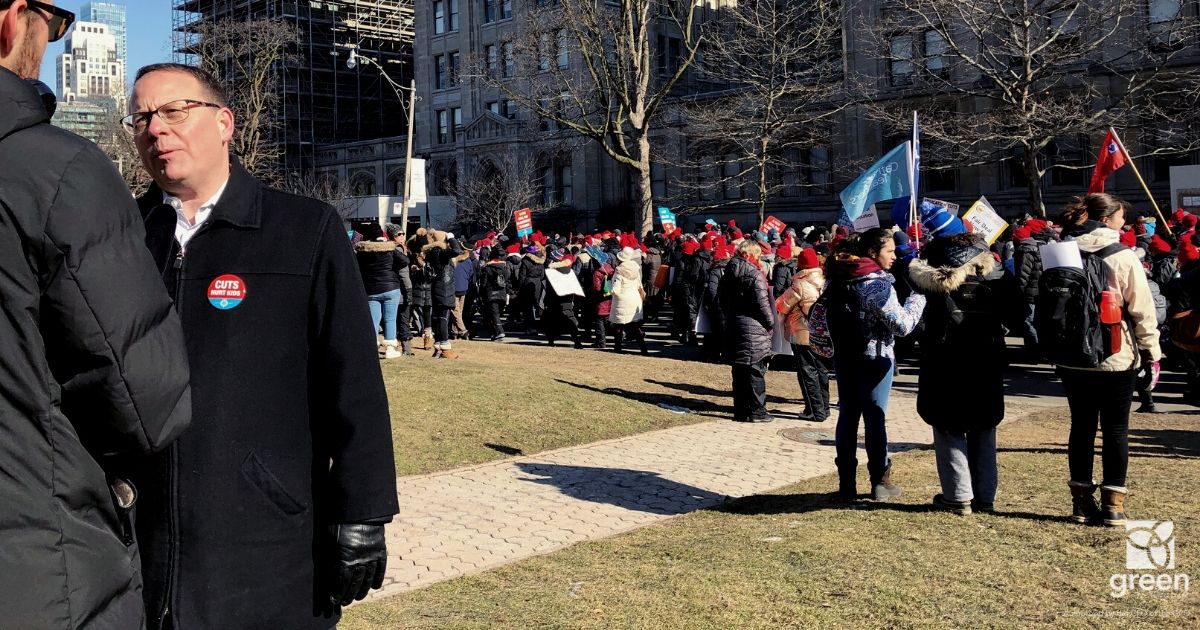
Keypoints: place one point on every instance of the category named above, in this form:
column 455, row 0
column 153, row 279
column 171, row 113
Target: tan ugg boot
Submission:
column 449, row 353
column 1112, row 505
column 427, row 340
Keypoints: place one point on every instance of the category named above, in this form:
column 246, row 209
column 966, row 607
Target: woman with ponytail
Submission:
column 865, row 317
column 1102, row 395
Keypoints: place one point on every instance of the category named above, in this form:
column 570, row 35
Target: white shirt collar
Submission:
column 185, row 228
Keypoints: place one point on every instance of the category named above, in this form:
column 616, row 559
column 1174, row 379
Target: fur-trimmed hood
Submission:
column 561, row 264
column 539, row 258
column 461, row 257
column 947, row 279
column 375, row 246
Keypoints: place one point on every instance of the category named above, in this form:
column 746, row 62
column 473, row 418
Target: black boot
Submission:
column 847, row 483
column 618, row 339
column 1083, row 501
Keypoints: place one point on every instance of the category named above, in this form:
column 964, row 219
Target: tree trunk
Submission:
column 762, row 193
column 1029, row 165
column 645, row 187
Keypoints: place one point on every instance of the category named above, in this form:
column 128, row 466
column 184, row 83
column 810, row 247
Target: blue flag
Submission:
column 902, row 208
column 888, row 178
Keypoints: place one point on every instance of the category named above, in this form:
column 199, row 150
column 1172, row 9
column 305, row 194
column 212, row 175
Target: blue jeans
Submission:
column 863, row 385
column 383, row 308
column 966, row 464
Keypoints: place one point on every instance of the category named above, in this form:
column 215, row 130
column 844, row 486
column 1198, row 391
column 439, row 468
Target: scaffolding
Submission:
column 323, row 101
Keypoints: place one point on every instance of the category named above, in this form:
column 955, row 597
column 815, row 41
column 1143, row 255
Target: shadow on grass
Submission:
column 701, row 390
column 507, row 450
column 817, row 501
column 638, row 490
column 700, row 406
column 1166, row 443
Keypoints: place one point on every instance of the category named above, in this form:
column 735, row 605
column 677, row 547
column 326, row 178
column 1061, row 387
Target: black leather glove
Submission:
column 359, row 561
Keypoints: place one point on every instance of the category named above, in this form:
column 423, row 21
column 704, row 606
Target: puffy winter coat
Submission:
column 626, row 300
column 749, row 314
column 963, row 340
column 601, row 275
column 1027, row 261
column 493, row 282
column 464, row 274
column 92, row 365
column 651, row 261
column 378, row 266
column 781, row 276
column 292, row 429
column 712, row 300
column 440, row 256
column 1127, row 278
column 558, row 305
column 403, row 272
column 796, row 301
column 531, row 275
column 422, row 283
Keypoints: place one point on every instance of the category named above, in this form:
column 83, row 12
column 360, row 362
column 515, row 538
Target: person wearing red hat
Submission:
column 531, row 275
column 784, row 268
column 794, row 304
column 713, row 349
column 749, row 318
column 686, row 290
column 559, row 316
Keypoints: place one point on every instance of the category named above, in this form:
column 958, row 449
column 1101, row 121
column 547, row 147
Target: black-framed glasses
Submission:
column 171, row 113
column 58, row 19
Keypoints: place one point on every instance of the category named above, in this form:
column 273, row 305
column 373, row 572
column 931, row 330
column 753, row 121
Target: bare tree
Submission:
column 119, row 145
column 781, row 67
column 601, row 70
column 248, row 57
column 325, row 187
column 1029, row 75
column 495, row 186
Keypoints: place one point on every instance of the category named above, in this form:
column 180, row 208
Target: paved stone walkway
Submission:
column 471, row 519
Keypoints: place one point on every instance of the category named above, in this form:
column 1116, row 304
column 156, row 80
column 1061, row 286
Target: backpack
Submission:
column 498, row 280
column 1067, row 312
column 834, row 324
column 1160, row 302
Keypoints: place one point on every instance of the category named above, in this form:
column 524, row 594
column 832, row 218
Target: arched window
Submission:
column 362, row 184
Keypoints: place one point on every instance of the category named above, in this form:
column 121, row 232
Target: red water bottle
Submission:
column 1110, row 314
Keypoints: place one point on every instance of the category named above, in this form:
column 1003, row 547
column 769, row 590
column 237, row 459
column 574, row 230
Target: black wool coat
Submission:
column 749, row 313
column 292, row 431
column 91, row 368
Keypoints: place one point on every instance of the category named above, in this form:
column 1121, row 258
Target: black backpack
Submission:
column 1067, row 312
column 843, row 319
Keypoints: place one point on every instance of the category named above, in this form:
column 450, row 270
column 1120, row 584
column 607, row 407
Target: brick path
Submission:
column 467, row 520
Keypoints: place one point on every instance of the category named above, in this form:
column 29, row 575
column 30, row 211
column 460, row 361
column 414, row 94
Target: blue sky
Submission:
column 148, row 26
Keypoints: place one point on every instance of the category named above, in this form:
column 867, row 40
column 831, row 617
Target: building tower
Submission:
column 111, row 15
column 89, row 67
column 323, row 100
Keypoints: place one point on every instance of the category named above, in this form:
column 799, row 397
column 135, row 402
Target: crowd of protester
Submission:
column 934, row 292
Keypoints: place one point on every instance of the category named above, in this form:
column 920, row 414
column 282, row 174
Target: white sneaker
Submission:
column 390, row 351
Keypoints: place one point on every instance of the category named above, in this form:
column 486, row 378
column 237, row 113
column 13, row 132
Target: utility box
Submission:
column 1185, row 189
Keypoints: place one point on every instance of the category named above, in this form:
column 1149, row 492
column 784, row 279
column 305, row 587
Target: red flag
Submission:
column 1112, row 157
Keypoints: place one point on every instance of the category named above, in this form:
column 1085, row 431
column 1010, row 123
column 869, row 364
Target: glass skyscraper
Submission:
column 111, row 15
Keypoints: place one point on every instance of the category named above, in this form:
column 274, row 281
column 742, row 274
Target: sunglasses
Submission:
column 58, row 19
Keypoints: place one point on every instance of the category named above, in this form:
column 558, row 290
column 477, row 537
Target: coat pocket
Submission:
column 257, row 474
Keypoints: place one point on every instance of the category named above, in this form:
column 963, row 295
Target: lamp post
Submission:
column 352, row 63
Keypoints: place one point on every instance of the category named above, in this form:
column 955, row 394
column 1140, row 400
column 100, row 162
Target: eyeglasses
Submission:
column 58, row 21
column 171, row 113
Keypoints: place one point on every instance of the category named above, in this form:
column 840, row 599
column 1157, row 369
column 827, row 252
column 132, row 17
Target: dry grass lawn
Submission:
column 794, row 559
column 499, row 400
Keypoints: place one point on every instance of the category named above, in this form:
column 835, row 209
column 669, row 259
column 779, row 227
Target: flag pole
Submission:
column 913, row 219
column 1141, row 181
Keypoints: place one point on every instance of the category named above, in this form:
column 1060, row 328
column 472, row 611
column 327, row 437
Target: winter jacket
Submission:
column 464, row 275
column 293, row 431
column 882, row 316
column 531, row 275
column 1127, row 278
column 402, row 265
column 626, row 300
column 711, row 299
column 441, row 256
column 493, row 283
column 600, row 302
column 92, row 366
column 377, row 265
column 1027, row 261
column 796, row 301
column 514, row 272
column 749, row 314
column 558, row 305
column 781, row 276
column 422, row 283
column 963, row 341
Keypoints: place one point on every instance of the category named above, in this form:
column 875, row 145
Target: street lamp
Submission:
column 352, row 63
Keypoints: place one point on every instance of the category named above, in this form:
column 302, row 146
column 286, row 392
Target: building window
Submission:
column 565, row 192
column 658, row 181
column 493, row 59
column 936, row 48
column 506, row 9
column 440, row 80
column 1163, row 18
column 544, row 52
column 902, row 60
column 456, row 119
column 439, row 17
column 494, row 107
column 510, row 62
column 507, row 109
column 489, row 11
column 1068, row 152
column 818, row 172
column 443, row 121
column 669, row 51
column 453, row 15
column 564, row 55
column 731, row 178
column 453, row 68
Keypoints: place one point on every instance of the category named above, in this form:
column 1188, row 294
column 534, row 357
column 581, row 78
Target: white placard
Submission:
column 1064, row 254
column 397, row 208
column 867, row 220
column 984, row 220
column 416, row 185
column 563, row 284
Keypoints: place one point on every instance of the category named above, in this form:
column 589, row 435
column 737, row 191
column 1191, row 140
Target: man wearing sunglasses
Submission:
column 270, row 511
column 90, row 358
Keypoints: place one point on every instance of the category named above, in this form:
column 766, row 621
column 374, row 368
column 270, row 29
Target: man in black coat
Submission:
column 270, row 512
column 91, row 361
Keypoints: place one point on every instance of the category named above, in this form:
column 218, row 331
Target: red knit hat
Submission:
column 690, row 247
column 1022, row 233
column 1158, row 245
column 723, row 252
column 737, row 233
column 515, row 248
column 807, row 259
column 1190, row 220
column 1187, row 252
column 1128, row 238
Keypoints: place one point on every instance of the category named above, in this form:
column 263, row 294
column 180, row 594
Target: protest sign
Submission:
column 952, row 208
column 524, row 221
column 564, row 284
column 867, row 220
column 772, row 223
column 667, row 218
column 984, row 220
